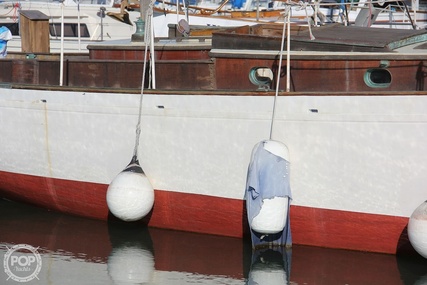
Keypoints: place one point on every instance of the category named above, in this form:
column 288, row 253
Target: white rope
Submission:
column 152, row 51
column 138, row 125
column 286, row 32
column 288, row 8
column 303, row 5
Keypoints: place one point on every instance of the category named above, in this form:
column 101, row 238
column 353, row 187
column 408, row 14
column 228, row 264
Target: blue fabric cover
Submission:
column 238, row 3
column 5, row 35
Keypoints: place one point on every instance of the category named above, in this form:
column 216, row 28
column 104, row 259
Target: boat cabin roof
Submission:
column 334, row 37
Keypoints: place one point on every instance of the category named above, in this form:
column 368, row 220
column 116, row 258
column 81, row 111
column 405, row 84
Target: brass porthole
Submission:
column 378, row 78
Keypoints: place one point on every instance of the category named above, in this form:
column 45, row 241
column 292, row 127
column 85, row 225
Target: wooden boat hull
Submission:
column 356, row 161
column 218, row 216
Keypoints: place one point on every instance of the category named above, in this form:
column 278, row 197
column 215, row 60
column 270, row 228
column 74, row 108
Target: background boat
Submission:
column 95, row 24
column 386, row 14
column 107, row 20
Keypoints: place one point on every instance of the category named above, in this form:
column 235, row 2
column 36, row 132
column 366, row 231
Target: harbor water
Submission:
column 44, row 247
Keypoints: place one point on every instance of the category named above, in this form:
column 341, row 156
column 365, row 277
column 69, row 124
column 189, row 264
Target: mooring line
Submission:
column 138, row 125
column 279, row 69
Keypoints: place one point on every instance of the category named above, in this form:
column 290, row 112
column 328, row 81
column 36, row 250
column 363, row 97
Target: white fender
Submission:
column 277, row 148
column 130, row 196
column 272, row 216
column 417, row 229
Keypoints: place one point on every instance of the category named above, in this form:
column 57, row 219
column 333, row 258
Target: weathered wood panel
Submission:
column 5, row 71
column 104, row 74
column 231, row 72
column 160, row 54
column 322, row 75
column 190, row 75
column 128, row 74
column 25, row 71
column 50, row 72
column 34, row 31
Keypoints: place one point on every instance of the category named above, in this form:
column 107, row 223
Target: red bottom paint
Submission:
column 215, row 215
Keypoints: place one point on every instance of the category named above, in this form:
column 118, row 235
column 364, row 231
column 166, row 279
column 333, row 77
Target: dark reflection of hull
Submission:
column 53, row 232
column 123, row 235
column 98, row 241
column 204, row 254
column 413, row 270
column 112, row 244
column 312, row 265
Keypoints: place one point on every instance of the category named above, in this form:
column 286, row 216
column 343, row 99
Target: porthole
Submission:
column 378, row 78
column 261, row 77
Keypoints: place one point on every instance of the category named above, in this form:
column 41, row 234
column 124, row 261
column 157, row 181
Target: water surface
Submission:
column 75, row 250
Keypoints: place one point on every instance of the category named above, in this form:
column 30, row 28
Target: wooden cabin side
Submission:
column 336, row 58
column 223, row 72
column 229, row 62
column 179, row 74
column 323, row 75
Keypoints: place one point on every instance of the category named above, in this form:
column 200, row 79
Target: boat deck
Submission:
column 328, row 38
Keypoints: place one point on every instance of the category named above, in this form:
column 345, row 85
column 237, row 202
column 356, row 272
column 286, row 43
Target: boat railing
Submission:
column 390, row 13
column 71, row 3
column 95, row 3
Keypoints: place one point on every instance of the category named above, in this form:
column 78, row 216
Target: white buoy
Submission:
column 417, row 229
column 130, row 196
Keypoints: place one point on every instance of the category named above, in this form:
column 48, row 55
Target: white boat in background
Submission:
column 88, row 21
column 104, row 20
column 377, row 13
column 101, row 20
column 95, row 25
column 84, row 21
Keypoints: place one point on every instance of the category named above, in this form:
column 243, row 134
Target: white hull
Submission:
column 350, row 153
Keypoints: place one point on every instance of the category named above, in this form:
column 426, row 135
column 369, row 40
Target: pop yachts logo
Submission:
column 22, row 263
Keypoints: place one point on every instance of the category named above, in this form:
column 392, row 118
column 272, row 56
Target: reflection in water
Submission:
column 413, row 270
column 270, row 266
column 131, row 260
column 130, row 265
column 82, row 251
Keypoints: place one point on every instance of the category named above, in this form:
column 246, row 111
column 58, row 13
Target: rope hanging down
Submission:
column 287, row 12
column 286, row 33
column 148, row 39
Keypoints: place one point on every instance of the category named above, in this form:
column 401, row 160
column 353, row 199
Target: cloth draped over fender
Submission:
column 268, row 177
